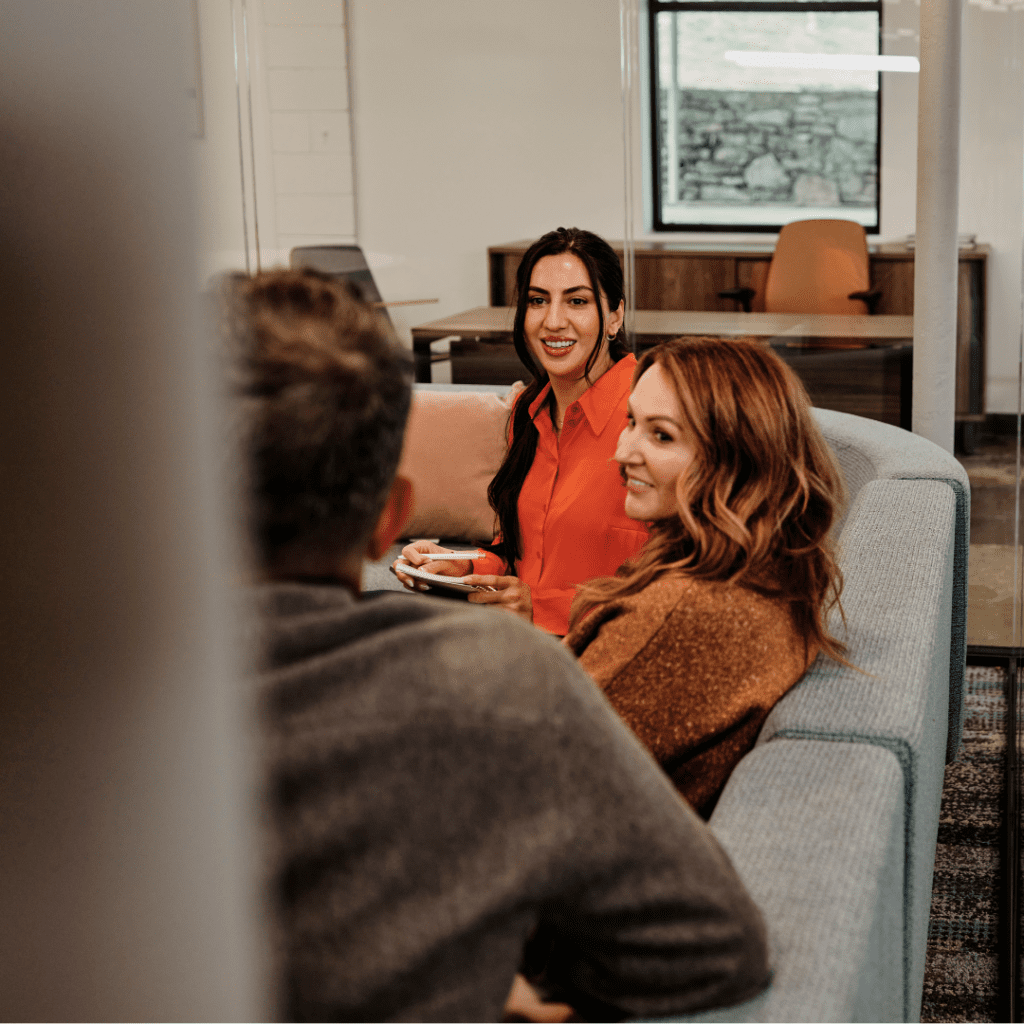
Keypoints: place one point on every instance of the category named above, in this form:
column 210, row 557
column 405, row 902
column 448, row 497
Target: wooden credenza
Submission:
column 674, row 275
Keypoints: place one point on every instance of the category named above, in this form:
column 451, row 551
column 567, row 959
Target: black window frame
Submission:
column 656, row 7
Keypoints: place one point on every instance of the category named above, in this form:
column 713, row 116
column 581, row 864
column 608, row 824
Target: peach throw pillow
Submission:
column 454, row 444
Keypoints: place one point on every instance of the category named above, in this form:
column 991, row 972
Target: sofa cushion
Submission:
column 454, row 444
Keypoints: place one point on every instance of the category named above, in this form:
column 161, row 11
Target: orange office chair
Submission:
column 819, row 266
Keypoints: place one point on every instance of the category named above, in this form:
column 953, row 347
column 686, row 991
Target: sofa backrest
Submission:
column 868, row 450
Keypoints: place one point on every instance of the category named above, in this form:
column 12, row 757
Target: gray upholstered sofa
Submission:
column 832, row 818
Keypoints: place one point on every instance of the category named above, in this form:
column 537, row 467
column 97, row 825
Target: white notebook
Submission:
column 448, row 582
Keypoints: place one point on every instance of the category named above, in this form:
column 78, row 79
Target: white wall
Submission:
column 991, row 172
column 304, row 47
column 222, row 238
column 898, row 181
column 991, row 143
column 479, row 122
column 299, row 151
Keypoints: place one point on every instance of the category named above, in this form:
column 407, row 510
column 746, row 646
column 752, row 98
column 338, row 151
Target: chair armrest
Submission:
column 742, row 295
column 869, row 298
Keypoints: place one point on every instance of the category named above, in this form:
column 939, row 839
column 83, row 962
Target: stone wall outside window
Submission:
column 801, row 148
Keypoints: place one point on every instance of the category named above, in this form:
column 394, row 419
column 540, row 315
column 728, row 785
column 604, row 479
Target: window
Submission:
column 763, row 113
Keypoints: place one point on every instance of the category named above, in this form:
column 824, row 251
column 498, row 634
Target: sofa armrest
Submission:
column 897, row 555
column 815, row 830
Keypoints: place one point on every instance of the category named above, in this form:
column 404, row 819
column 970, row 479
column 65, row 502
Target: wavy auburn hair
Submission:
column 757, row 503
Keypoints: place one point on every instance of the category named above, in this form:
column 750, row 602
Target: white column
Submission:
column 938, row 182
column 127, row 889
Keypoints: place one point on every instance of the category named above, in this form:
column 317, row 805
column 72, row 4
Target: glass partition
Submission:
column 973, row 970
column 991, row 203
column 441, row 137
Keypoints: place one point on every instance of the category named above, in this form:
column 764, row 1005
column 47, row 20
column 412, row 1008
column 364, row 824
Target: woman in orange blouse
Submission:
column 557, row 496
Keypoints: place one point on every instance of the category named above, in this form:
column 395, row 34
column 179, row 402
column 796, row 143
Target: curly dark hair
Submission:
column 320, row 393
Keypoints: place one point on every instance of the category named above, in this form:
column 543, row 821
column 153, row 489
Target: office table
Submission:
column 689, row 275
column 834, row 355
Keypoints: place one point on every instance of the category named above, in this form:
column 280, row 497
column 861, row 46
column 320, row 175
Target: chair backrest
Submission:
column 816, row 265
column 344, row 261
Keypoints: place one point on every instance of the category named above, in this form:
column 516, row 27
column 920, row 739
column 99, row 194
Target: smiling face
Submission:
column 655, row 449
column 562, row 322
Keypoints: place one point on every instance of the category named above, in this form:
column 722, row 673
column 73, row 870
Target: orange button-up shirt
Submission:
column 571, row 516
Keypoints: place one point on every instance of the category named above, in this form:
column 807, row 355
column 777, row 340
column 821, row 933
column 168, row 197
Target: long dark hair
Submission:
column 605, row 272
column 757, row 504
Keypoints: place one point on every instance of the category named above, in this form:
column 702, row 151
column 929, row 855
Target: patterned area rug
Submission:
column 962, row 970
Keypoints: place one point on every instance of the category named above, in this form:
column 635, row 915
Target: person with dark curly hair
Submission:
column 696, row 638
column 440, row 782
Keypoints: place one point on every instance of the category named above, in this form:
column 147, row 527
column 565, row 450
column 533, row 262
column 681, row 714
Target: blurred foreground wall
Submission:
column 126, row 881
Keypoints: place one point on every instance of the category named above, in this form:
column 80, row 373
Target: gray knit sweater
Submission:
column 440, row 780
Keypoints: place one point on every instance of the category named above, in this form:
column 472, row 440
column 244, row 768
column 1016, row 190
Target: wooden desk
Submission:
column 828, row 352
column 689, row 276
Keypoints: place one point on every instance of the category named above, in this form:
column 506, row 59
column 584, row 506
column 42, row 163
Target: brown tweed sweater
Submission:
column 693, row 668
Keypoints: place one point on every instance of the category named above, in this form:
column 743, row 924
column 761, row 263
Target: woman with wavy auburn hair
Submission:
column 697, row 637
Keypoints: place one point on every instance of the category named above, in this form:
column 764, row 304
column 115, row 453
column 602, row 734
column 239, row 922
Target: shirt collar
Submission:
column 599, row 401
column 540, row 400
